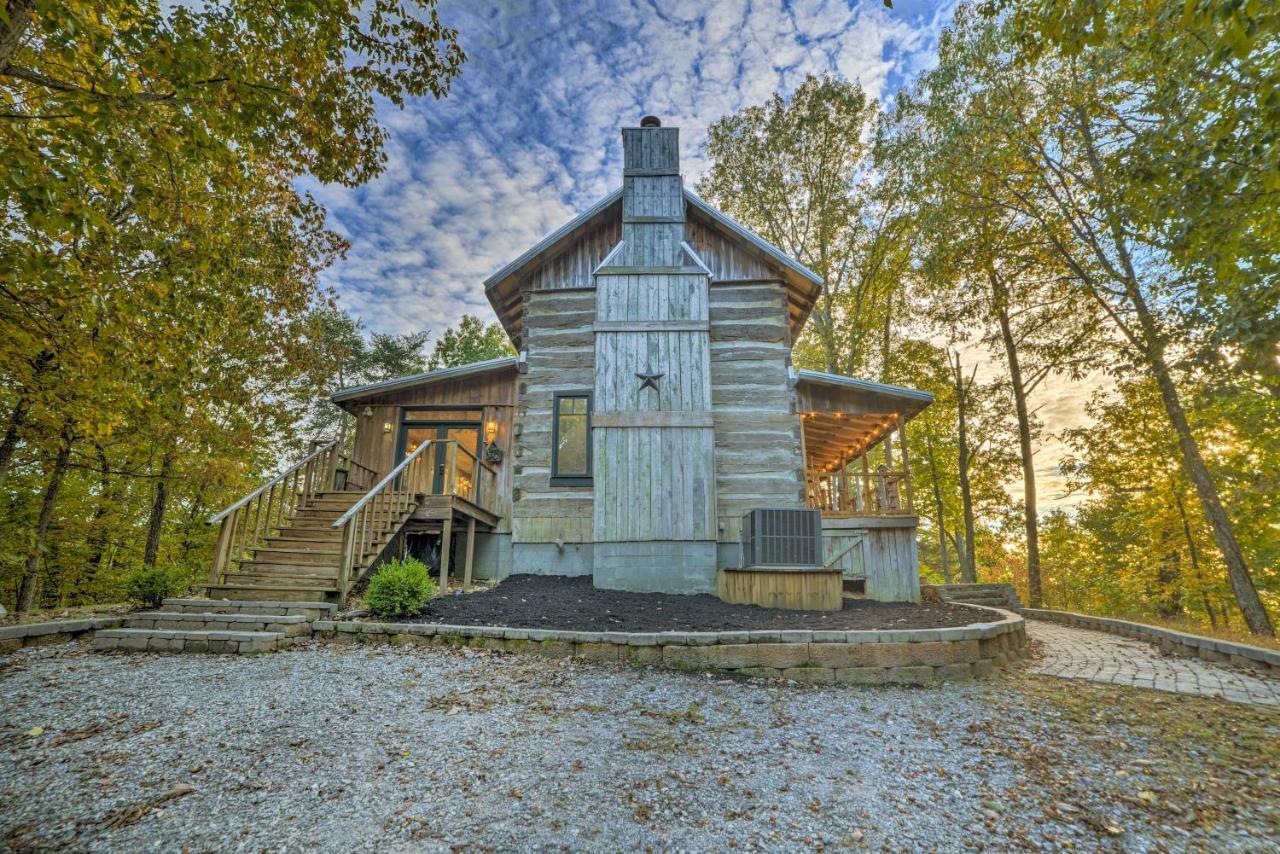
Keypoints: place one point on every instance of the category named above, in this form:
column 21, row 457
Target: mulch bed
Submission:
column 556, row 602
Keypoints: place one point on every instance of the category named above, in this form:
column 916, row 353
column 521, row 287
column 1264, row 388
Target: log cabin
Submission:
column 652, row 432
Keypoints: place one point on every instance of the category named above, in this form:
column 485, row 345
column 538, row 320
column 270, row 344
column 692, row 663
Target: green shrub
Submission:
column 400, row 588
column 150, row 587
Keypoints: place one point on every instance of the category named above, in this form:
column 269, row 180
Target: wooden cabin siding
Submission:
column 572, row 267
column 758, row 458
column 493, row 393
column 726, row 257
column 561, row 357
column 654, row 476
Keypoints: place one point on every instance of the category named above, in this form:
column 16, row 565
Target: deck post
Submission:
column 222, row 548
column 906, row 468
column 471, row 548
column 446, row 539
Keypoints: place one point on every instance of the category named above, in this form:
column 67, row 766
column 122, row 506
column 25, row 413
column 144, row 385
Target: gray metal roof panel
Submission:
column 359, row 391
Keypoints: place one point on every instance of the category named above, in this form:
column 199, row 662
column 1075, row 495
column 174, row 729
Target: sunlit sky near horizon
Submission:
column 529, row 135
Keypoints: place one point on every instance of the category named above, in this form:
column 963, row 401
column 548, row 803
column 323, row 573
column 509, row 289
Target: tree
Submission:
column 470, row 341
column 797, row 171
column 156, row 258
column 1052, row 134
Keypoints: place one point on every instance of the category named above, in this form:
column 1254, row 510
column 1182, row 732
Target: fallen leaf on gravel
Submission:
column 126, row 816
column 34, row 731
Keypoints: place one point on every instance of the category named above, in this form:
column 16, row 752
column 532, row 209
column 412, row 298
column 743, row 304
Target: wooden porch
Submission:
column 858, row 473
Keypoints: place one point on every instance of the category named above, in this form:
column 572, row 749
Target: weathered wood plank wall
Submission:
column 561, row 358
column 653, row 482
column 493, row 393
column 759, row 462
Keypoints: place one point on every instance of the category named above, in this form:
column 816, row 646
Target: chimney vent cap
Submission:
column 651, row 122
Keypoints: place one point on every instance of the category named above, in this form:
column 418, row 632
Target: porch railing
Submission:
column 436, row 467
column 394, row 497
column 876, row 492
column 248, row 523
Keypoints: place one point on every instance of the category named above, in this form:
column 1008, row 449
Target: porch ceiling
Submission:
column 833, row 438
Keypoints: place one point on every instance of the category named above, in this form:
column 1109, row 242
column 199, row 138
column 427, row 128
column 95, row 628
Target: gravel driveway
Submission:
column 387, row 749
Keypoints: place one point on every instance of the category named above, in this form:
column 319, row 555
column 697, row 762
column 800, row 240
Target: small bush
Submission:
column 150, row 587
column 400, row 588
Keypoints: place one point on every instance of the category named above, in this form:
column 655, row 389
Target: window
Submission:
column 571, row 439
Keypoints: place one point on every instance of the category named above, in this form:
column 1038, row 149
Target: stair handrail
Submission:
column 247, row 523
column 273, row 482
column 391, row 497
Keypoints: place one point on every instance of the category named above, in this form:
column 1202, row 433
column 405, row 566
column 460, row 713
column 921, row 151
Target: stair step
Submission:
column 289, row 626
column 290, row 581
column 305, row 540
column 275, row 592
column 173, row 640
column 298, row 556
column 316, row 610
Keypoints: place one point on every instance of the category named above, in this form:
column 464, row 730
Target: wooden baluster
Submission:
column 265, row 530
column 348, row 558
column 906, row 470
column 244, row 532
column 864, row 494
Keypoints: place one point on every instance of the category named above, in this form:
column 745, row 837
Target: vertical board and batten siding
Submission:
column 653, row 483
column 654, row 479
column 493, row 393
column 726, row 257
column 572, row 267
column 560, row 358
column 758, row 456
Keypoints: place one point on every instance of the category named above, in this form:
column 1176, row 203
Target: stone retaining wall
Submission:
column 56, row 631
column 913, row 657
column 1176, row 643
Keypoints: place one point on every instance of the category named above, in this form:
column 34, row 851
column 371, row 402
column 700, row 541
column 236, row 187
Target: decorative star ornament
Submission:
column 649, row 379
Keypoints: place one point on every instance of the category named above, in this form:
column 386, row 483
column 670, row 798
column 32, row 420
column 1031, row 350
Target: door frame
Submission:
column 442, row 428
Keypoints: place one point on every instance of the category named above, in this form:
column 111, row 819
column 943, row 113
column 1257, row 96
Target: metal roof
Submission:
column 359, row 391
column 866, row 385
column 739, row 230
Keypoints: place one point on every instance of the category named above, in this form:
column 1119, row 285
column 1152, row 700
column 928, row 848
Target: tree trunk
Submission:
column 18, row 418
column 1034, row 591
column 968, row 567
column 1255, row 613
column 18, row 19
column 938, row 509
column 98, row 530
column 1194, row 553
column 156, row 522
column 31, row 572
column 1152, row 345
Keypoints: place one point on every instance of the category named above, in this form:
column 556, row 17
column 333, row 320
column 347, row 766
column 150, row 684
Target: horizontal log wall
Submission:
column 758, row 458
column 561, row 348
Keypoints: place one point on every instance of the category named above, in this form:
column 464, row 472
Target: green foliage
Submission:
column 470, row 341
column 150, row 586
column 157, row 261
column 798, row 171
column 400, row 588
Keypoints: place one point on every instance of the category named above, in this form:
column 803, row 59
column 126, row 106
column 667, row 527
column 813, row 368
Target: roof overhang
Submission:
column 361, row 392
column 844, row 417
column 503, row 288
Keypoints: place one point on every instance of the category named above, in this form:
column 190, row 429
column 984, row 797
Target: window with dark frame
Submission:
column 571, row 439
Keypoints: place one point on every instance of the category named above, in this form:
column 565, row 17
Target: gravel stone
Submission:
column 381, row 748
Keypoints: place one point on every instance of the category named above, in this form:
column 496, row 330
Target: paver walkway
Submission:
column 1100, row 657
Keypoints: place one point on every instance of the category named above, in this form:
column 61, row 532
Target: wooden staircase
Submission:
column 303, row 561
column 310, row 533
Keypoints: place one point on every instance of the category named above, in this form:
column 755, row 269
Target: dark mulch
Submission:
column 554, row 602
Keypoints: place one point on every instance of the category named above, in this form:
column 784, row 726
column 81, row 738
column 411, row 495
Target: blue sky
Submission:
column 529, row 135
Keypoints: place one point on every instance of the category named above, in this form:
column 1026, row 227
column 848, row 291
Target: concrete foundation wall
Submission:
column 550, row 559
column 678, row 566
column 493, row 557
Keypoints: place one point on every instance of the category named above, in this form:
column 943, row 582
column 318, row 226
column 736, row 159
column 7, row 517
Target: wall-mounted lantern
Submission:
column 492, row 452
column 386, row 426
